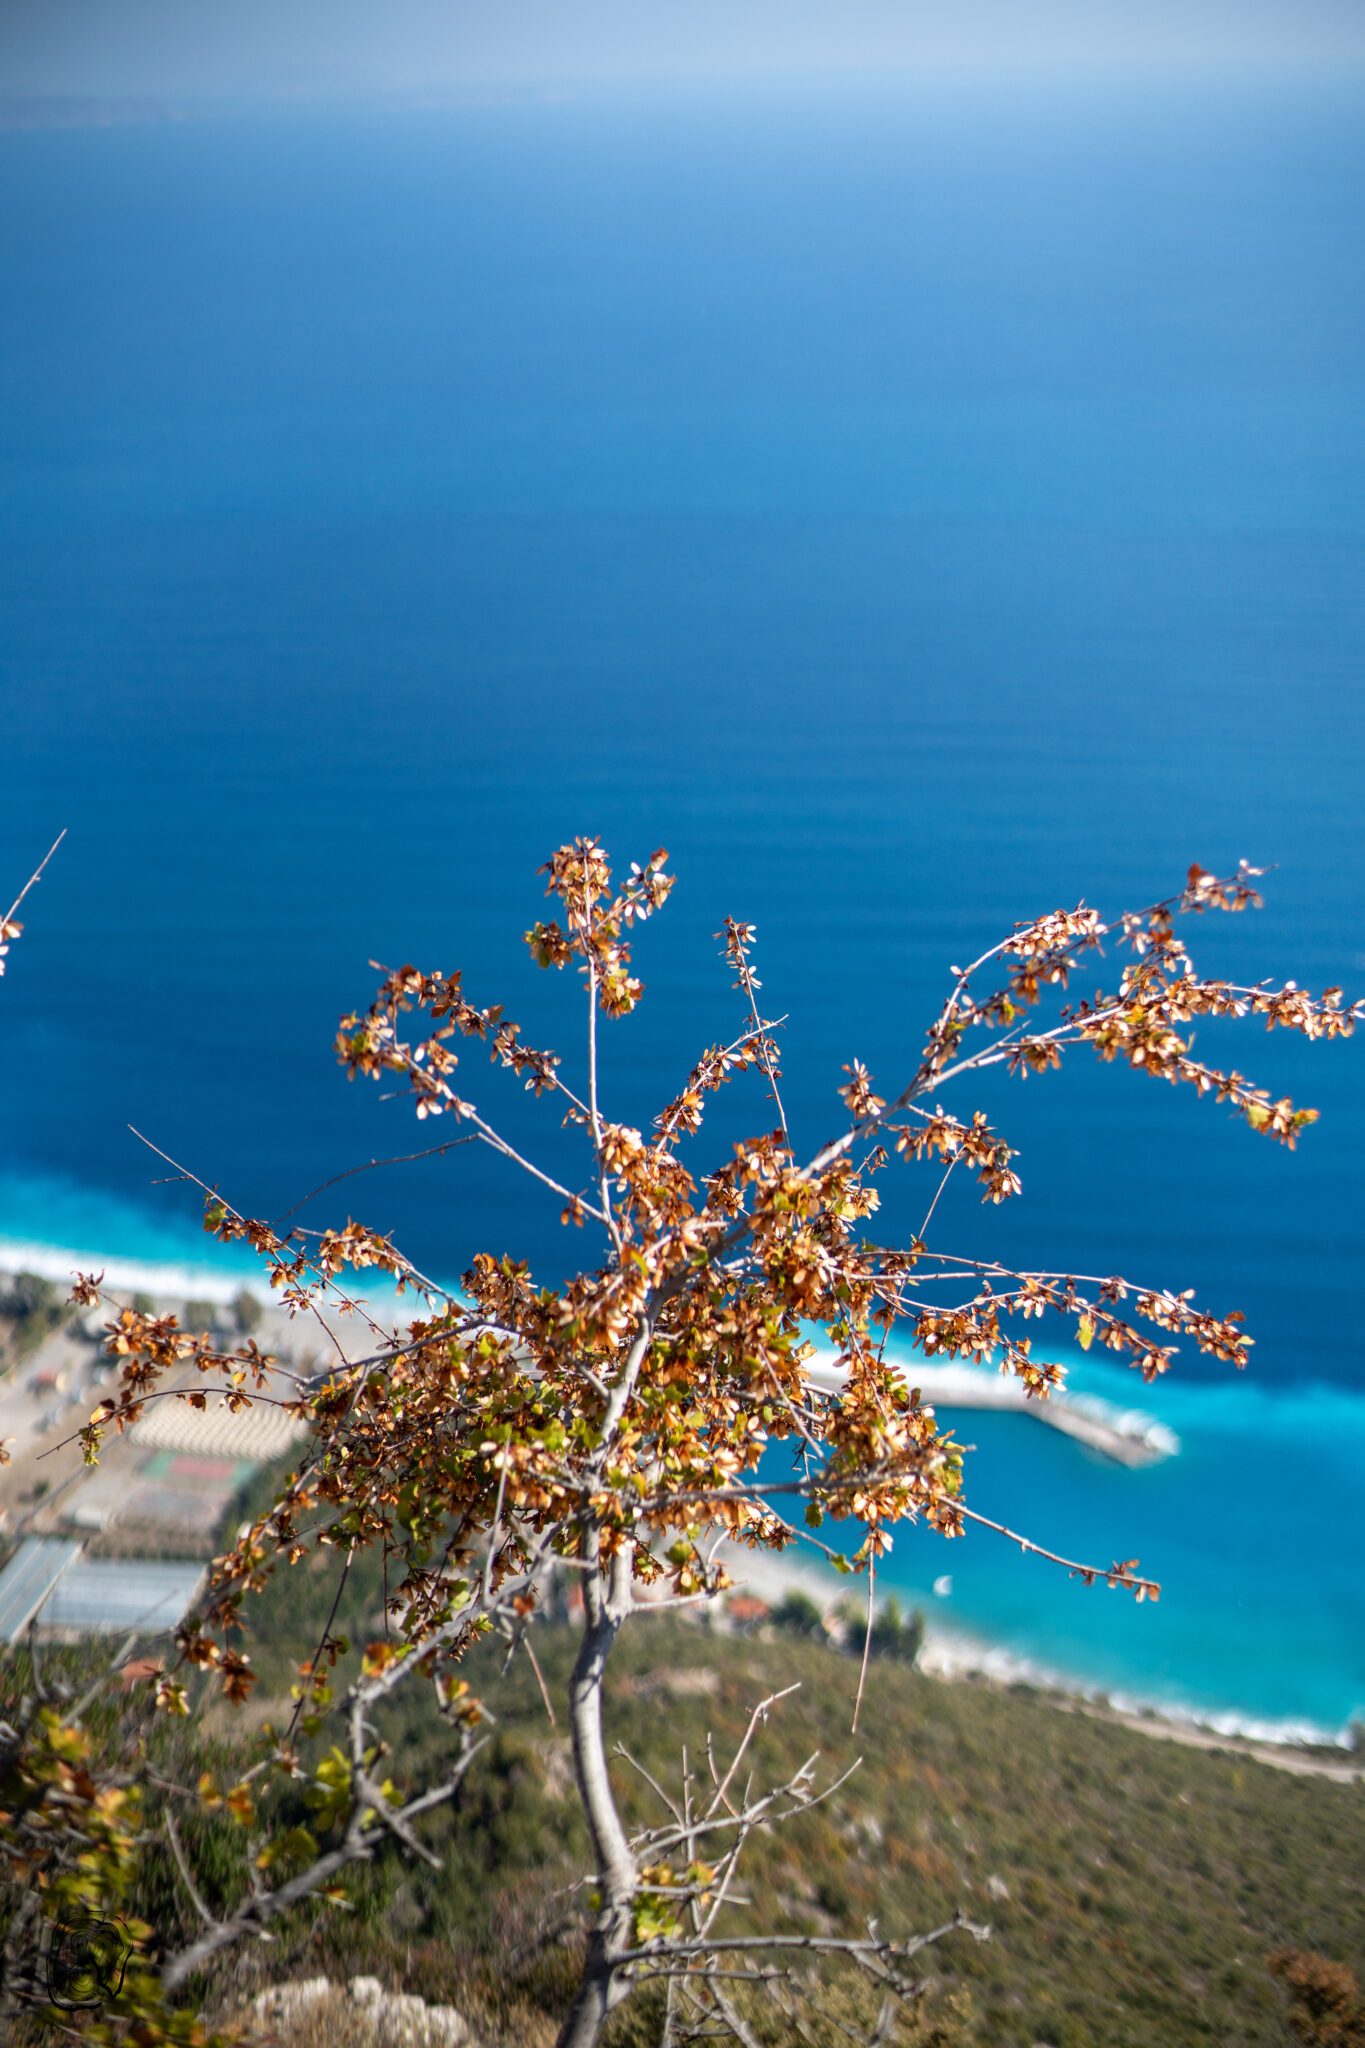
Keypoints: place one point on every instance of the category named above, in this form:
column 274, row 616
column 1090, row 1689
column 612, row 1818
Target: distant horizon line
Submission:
column 36, row 109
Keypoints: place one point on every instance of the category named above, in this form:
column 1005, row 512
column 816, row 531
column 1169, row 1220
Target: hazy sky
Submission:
column 206, row 47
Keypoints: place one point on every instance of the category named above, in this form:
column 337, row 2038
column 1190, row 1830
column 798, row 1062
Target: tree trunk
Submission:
column 602, row 1985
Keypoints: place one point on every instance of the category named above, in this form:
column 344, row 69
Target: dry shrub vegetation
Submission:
column 1139, row 1885
column 1147, row 1882
column 1326, row 2008
column 1135, row 1888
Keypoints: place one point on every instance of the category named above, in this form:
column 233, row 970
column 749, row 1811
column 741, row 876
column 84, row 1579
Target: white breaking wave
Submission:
column 950, row 1653
column 61, row 1264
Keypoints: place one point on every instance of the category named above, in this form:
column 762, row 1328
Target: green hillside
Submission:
column 1134, row 1886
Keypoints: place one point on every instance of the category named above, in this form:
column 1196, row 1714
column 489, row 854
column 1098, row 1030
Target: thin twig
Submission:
column 746, row 975
column 756, row 1718
column 182, row 1863
column 399, row 1159
column 540, row 1680
column 938, row 1191
column 349, row 1302
column 326, row 1637
column 867, row 1640
column 34, row 877
column 706, row 1495
column 603, row 1180
column 818, row 1944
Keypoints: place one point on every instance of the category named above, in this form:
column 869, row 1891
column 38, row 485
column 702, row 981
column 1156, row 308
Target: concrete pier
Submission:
column 1126, row 1435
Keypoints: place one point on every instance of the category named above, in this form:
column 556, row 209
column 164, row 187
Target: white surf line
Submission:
column 952, row 1656
column 173, row 1278
column 1281, row 1755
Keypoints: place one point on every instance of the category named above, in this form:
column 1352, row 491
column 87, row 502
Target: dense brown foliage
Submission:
column 1325, row 2006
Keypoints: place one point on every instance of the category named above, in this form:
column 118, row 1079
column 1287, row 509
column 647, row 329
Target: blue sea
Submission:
column 914, row 509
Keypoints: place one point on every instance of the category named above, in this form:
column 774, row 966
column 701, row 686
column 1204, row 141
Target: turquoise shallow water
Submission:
column 1252, row 1526
column 1251, row 1529
column 913, row 512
